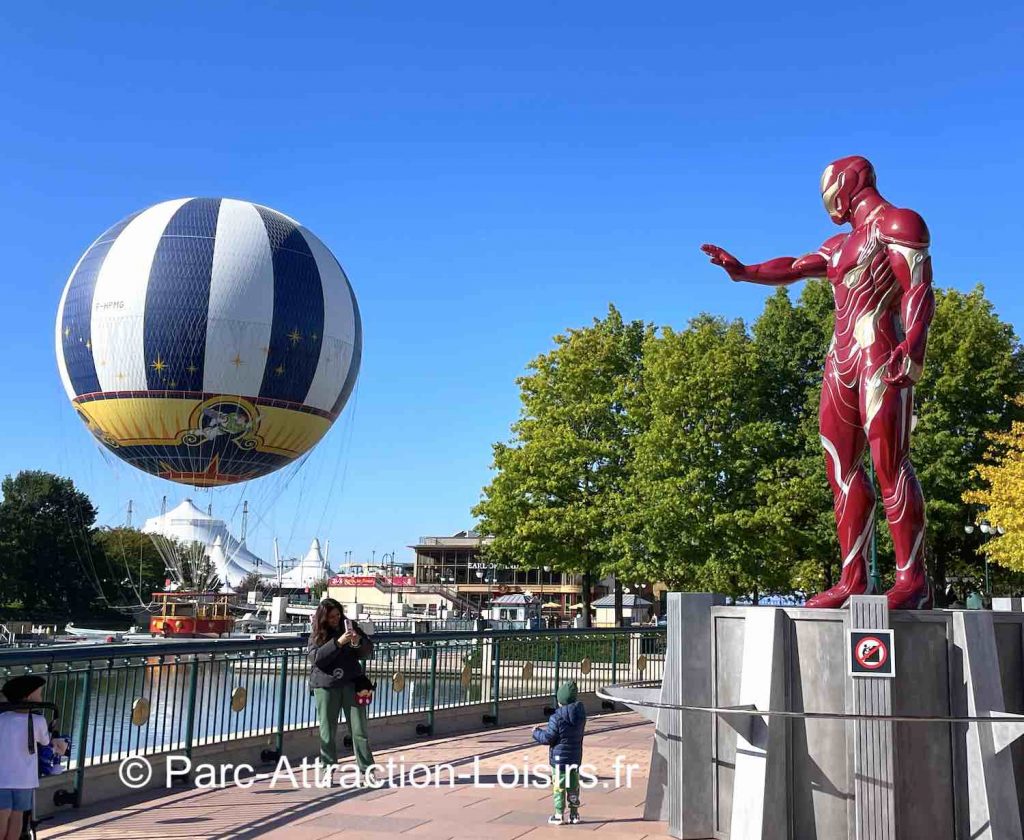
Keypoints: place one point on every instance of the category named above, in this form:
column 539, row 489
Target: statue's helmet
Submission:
column 841, row 181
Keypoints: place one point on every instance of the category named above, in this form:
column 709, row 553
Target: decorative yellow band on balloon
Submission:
column 131, row 421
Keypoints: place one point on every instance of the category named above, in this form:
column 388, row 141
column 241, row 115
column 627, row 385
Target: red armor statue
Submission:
column 881, row 278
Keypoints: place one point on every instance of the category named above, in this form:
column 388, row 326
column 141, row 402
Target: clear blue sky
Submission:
column 489, row 175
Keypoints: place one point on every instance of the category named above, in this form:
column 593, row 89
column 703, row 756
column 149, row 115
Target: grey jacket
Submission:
column 332, row 666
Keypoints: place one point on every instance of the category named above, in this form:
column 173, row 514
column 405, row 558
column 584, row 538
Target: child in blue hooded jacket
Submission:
column 564, row 737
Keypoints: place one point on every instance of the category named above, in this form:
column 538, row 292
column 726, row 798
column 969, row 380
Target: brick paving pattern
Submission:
column 438, row 812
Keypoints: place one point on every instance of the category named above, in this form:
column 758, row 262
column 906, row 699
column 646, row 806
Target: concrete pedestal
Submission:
column 756, row 777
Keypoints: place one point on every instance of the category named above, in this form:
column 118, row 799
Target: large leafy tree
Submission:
column 552, row 500
column 1002, row 494
column 791, row 341
column 974, row 363
column 706, row 429
column 47, row 556
column 974, row 369
column 132, row 567
column 696, row 458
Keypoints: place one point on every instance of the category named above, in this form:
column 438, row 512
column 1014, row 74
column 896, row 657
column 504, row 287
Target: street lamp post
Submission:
column 988, row 531
column 390, row 557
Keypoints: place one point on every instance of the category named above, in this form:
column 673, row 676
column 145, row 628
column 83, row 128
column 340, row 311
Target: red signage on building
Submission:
column 371, row 580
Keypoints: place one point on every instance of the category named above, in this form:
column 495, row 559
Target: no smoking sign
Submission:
column 871, row 653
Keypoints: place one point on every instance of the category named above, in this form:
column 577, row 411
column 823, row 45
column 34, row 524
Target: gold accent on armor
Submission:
column 912, row 370
column 826, row 176
column 854, row 275
column 864, row 328
column 915, row 259
column 585, row 666
column 873, row 398
column 828, row 193
column 398, row 682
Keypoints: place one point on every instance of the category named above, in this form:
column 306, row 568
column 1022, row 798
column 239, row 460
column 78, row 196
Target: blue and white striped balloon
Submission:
column 208, row 340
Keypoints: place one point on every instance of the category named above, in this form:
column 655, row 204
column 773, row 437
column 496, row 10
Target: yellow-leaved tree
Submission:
column 1003, row 497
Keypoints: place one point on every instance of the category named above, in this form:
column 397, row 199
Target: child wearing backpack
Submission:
column 22, row 733
column 564, row 737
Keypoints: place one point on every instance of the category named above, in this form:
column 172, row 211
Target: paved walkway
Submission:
column 464, row 809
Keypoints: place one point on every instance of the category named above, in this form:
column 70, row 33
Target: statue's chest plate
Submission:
column 857, row 260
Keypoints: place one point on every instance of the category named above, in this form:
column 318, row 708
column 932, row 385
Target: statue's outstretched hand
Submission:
column 900, row 370
column 719, row 256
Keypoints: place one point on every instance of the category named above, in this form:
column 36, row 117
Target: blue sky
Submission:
column 489, row 175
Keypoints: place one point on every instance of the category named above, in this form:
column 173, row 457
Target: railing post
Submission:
column 428, row 729
column 615, row 660
column 558, row 669
column 190, row 708
column 495, row 683
column 282, row 692
column 74, row 797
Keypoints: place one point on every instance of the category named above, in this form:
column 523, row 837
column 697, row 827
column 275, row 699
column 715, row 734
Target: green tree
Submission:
column 974, row 369
column 194, row 567
column 251, row 581
column 974, row 364
column 708, row 428
column 318, row 589
column 46, row 530
column 552, row 499
column 791, row 342
column 1002, row 497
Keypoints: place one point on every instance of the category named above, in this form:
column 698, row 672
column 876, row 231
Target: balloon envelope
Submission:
column 208, row 340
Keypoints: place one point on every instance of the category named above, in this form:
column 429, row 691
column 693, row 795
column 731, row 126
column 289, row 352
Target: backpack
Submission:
column 32, row 708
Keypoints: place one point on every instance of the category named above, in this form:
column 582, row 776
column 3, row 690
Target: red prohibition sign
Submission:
column 871, row 653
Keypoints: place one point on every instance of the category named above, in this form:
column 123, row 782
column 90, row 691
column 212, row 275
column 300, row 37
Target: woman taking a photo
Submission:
column 337, row 648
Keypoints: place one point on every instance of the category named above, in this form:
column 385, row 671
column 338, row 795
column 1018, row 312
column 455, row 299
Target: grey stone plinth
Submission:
column 874, row 778
column 679, row 787
column 992, row 808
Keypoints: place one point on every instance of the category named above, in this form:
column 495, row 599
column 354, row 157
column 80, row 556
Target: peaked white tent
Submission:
column 308, row 570
column 188, row 524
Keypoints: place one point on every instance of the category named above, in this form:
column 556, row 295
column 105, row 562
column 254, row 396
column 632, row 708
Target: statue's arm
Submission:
column 907, row 239
column 777, row 272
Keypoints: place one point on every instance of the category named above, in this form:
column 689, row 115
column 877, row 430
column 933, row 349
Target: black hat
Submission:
column 18, row 688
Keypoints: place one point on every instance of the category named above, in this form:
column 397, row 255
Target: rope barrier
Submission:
column 750, row 711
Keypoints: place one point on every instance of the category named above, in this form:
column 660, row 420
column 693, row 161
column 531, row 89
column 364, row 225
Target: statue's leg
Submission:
column 842, row 436
column 888, row 415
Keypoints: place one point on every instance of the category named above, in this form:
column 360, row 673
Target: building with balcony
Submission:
column 457, row 563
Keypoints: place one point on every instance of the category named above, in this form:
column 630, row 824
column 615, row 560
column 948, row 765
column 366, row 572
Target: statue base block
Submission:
column 756, row 777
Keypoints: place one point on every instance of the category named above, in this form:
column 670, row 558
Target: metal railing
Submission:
column 117, row 700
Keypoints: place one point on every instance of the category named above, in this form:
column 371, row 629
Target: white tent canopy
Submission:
column 308, row 570
column 188, row 524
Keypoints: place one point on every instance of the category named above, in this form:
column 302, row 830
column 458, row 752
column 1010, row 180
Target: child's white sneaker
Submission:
column 555, row 819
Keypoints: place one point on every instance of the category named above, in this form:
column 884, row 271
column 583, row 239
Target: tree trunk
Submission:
column 585, row 612
column 618, row 603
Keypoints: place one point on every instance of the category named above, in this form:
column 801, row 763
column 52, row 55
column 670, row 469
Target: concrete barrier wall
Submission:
column 932, row 760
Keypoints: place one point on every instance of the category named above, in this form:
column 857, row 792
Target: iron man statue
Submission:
column 881, row 278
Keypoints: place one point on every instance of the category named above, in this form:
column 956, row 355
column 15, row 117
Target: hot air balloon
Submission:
column 208, row 341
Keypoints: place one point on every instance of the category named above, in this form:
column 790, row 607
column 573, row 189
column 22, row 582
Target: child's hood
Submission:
column 575, row 712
